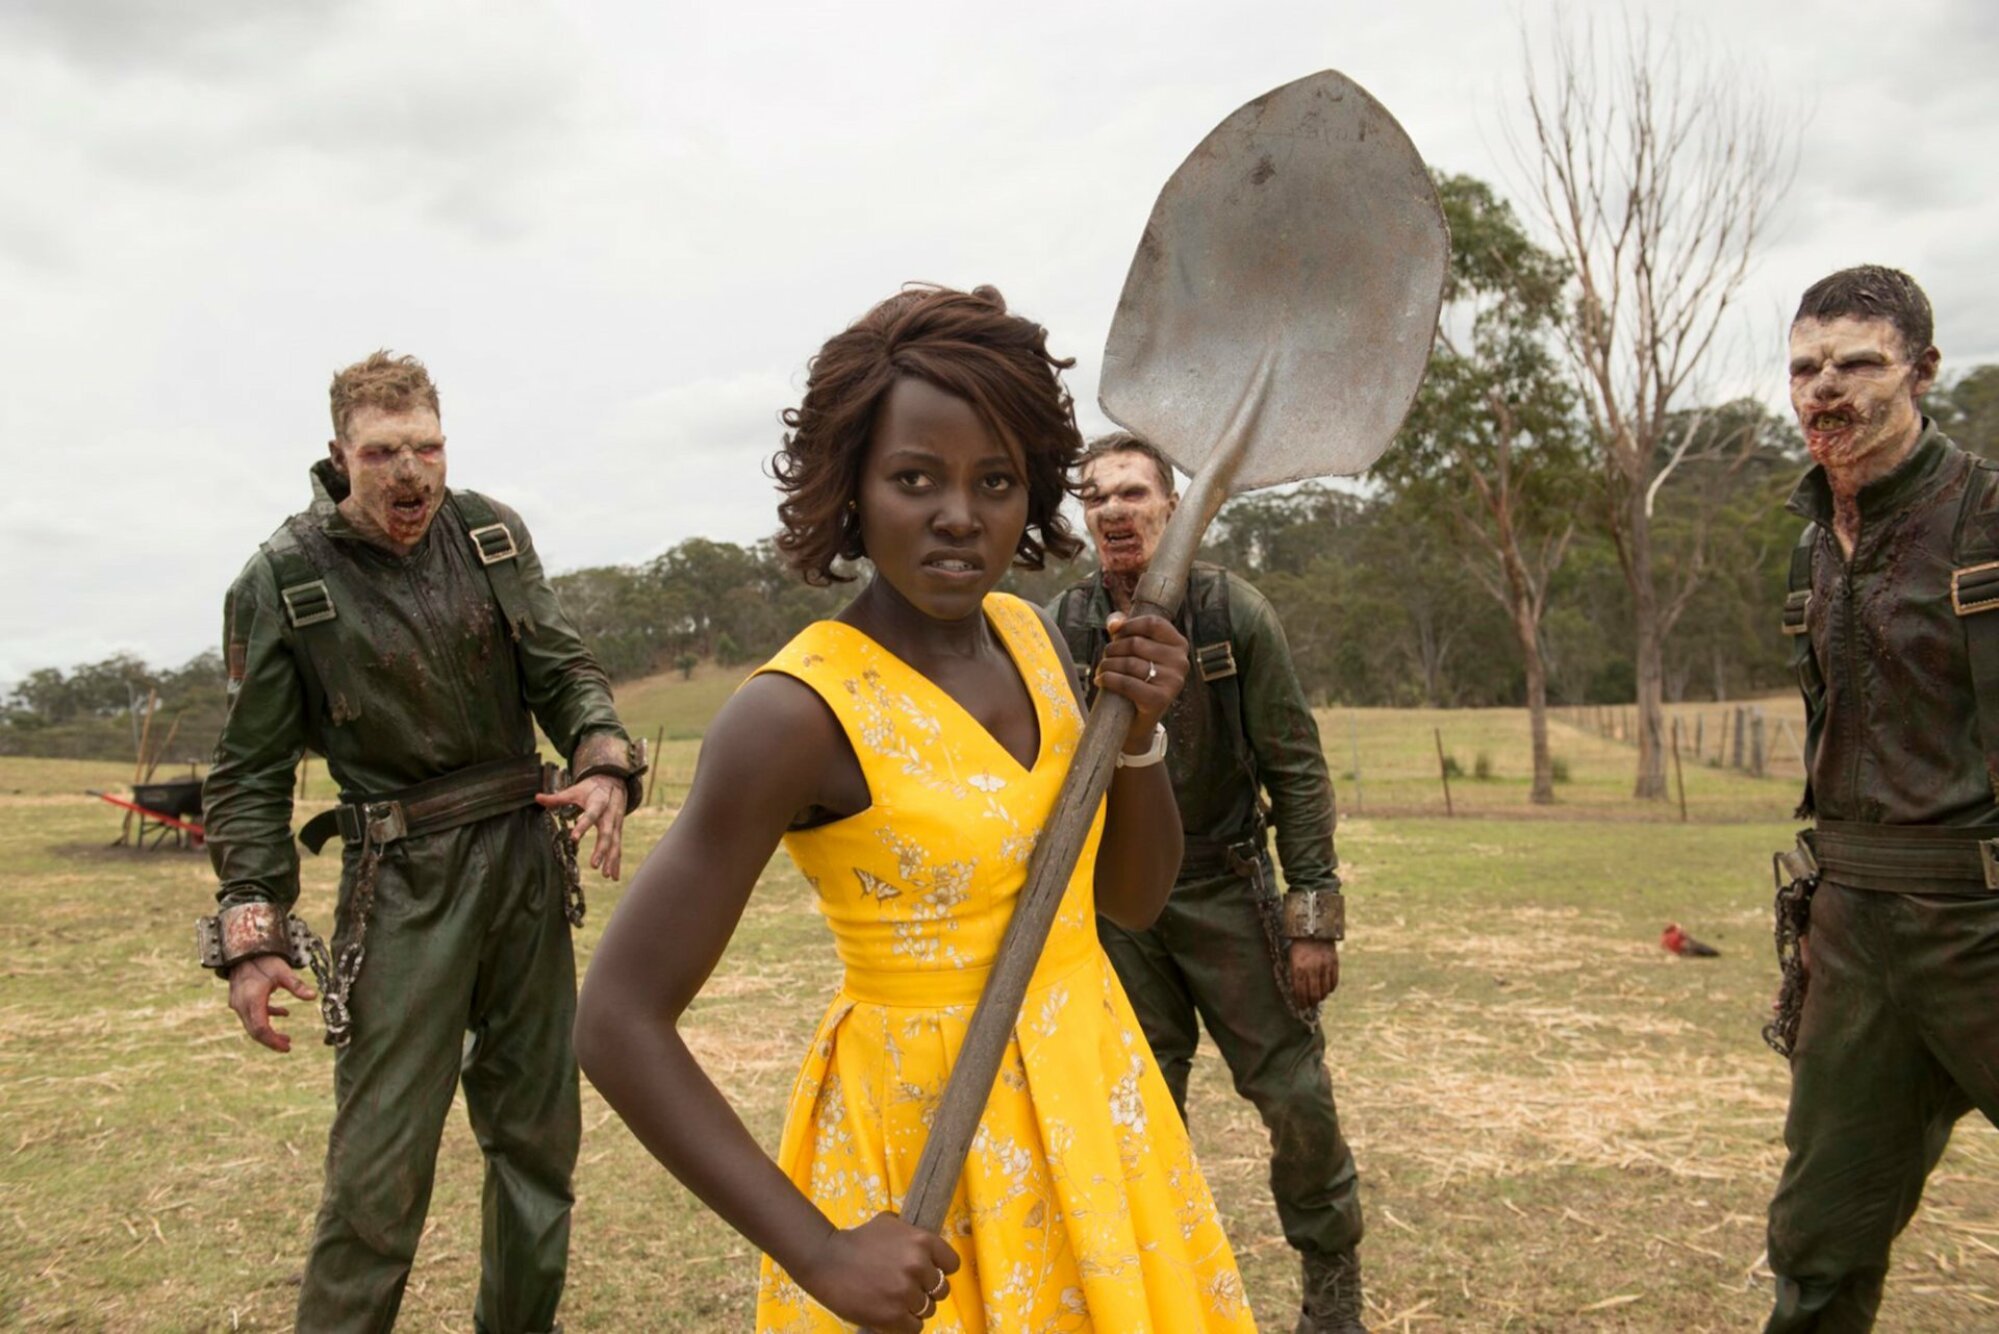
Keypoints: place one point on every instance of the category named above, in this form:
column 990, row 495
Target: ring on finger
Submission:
column 929, row 1308
column 936, row 1289
column 1151, row 672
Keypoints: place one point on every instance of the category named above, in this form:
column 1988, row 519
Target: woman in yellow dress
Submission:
column 907, row 753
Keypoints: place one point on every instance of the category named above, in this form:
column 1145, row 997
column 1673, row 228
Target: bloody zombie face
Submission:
column 1855, row 388
column 942, row 501
column 394, row 465
column 1125, row 505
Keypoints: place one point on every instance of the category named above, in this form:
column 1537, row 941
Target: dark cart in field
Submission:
column 164, row 810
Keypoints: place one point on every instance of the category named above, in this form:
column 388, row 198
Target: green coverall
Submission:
column 467, row 932
column 1899, row 1035
column 1212, row 957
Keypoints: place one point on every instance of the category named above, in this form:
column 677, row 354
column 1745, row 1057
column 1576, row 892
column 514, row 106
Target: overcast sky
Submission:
column 616, row 230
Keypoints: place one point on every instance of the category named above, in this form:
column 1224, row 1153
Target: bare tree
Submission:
column 1656, row 172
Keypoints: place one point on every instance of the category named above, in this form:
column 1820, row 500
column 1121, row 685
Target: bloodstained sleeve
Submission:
column 247, row 798
column 1285, row 739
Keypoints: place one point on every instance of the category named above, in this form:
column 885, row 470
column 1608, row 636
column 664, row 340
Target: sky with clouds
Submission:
column 616, row 230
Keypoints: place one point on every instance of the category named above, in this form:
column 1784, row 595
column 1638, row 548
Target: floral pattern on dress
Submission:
column 1081, row 1207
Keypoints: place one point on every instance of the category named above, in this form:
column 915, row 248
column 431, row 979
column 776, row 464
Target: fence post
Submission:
column 1736, row 754
column 1353, row 742
column 1679, row 777
column 1756, row 750
column 1798, row 740
column 1443, row 771
column 658, row 763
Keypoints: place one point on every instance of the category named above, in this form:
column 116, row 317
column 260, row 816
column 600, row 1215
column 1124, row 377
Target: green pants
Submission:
column 1899, row 1038
column 1207, row 961
column 468, row 973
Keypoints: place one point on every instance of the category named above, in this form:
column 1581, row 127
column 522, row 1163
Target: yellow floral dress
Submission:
column 1081, row 1207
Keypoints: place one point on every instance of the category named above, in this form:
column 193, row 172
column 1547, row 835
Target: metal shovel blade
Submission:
column 1305, row 228
column 1274, row 326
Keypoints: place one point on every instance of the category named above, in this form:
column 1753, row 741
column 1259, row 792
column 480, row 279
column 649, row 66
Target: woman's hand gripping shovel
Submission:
column 1274, row 326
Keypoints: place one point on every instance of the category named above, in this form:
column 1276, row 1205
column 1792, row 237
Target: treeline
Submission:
column 1377, row 590
column 98, row 710
column 1388, row 594
column 1379, row 593
column 1387, row 601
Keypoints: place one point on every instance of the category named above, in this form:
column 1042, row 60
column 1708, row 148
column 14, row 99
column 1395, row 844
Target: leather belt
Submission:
column 461, row 797
column 1212, row 856
column 1853, row 850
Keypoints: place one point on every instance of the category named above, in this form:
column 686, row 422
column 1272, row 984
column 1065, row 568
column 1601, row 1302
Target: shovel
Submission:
column 1274, row 326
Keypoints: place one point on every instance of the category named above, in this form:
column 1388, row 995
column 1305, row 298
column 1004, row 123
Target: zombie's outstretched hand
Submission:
column 251, row 983
column 601, row 803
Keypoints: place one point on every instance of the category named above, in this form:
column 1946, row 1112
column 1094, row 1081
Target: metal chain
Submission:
column 559, row 821
column 1270, row 912
column 321, row 963
column 1793, row 914
column 336, row 984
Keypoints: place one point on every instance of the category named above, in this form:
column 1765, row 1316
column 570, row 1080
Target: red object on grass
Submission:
column 1684, row 945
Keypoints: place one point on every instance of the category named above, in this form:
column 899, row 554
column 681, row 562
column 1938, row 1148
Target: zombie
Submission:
column 1894, row 609
column 1229, row 950
column 406, row 632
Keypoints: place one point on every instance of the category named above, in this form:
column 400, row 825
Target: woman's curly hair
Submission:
column 964, row 343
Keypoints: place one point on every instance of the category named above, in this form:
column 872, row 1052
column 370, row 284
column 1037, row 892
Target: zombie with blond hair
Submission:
column 406, row 632
column 1889, row 917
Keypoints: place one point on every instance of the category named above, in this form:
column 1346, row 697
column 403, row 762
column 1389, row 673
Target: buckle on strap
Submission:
column 309, row 604
column 493, row 543
column 1798, row 863
column 383, row 823
column 1215, row 661
column 1974, row 588
column 1797, row 606
column 1245, row 858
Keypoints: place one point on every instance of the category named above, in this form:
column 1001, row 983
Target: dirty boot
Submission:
column 1332, row 1295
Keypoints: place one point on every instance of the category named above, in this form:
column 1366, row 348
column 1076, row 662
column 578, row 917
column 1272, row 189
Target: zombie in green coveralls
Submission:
column 1894, row 605
column 1229, row 951
column 407, row 633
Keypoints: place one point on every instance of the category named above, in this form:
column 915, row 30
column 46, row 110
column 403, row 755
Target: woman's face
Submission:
column 943, row 502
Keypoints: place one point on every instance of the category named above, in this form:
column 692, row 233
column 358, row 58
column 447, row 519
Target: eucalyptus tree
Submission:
column 1491, row 444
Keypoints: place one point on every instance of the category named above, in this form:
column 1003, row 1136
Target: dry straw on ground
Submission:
column 1559, row 1125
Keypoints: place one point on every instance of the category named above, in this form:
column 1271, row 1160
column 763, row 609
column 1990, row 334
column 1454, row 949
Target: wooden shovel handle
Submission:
column 1061, row 843
column 1048, row 872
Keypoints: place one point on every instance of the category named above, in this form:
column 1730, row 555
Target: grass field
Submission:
column 1559, row 1125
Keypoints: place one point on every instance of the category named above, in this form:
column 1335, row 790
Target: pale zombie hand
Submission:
column 600, row 805
column 1315, row 971
column 251, row 983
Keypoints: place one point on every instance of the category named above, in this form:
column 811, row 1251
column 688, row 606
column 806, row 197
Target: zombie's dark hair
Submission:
column 1124, row 442
column 1873, row 292
column 969, row 346
column 383, row 380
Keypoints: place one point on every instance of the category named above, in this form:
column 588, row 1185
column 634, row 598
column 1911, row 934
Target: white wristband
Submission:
column 1151, row 755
